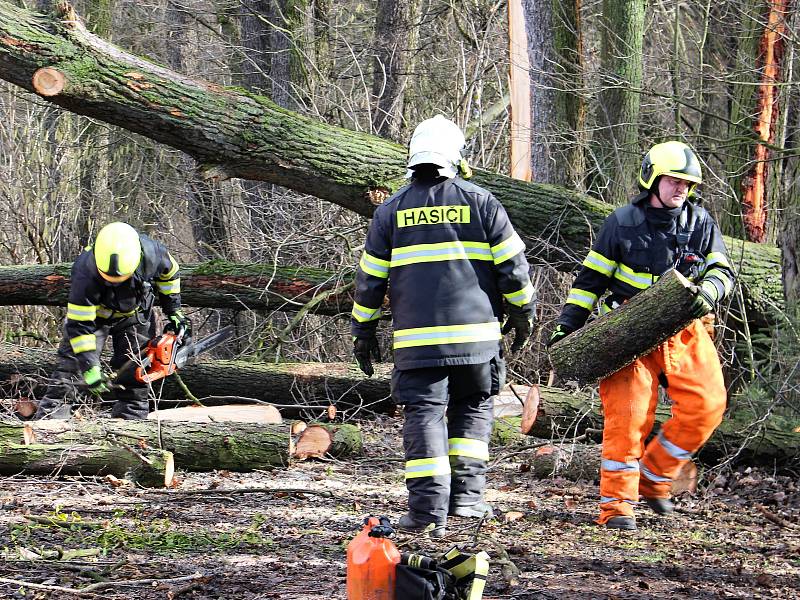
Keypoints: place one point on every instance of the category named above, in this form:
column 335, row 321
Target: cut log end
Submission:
column 314, row 442
column 48, row 81
column 529, row 409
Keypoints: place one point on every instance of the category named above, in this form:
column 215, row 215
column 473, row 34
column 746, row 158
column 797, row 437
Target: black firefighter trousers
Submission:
column 448, row 422
column 128, row 337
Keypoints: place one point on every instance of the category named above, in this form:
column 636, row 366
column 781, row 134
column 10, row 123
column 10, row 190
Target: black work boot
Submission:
column 476, row 511
column 621, row 522
column 660, row 506
column 53, row 409
column 414, row 525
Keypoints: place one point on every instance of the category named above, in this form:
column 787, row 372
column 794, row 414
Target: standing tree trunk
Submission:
column 396, row 34
column 617, row 138
column 520, row 93
column 557, row 107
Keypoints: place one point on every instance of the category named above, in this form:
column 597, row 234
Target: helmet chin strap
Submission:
column 654, row 192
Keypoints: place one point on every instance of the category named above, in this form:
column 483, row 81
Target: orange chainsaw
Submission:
column 169, row 352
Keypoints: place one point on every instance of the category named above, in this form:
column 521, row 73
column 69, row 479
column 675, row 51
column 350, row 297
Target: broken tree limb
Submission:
column 214, row 284
column 301, row 384
column 149, row 467
column 616, row 339
column 243, row 135
column 195, row 446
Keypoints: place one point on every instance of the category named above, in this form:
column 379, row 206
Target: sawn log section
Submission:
column 615, row 340
column 237, row 134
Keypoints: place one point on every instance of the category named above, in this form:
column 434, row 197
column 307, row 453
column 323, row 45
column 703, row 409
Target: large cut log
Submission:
column 615, row 340
column 23, row 452
column 237, row 134
column 215, row 284
column 195, row 446
column 292, row 386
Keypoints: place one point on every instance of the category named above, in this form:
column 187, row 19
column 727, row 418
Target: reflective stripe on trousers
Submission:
column 630, row 396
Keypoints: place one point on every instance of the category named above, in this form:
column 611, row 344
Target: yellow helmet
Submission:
column 117, row 252
column 675, row 159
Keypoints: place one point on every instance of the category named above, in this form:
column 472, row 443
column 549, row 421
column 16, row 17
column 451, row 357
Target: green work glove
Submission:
column 561, row 331
column 177, row 322
column 705, row 299
column 364, row 350
column 96, row 381
column 519, row 319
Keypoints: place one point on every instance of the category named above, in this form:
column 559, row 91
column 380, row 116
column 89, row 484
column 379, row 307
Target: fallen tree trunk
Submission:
column 195, row 446
column 149, row 467
column 615, row 340
column 215, row 284
column 236, row 134
column 742, row 436
column 291, row 386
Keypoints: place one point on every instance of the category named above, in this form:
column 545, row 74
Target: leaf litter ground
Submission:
column 210, row 538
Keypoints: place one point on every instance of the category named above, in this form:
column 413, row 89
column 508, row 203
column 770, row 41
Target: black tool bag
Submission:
column 420, row 578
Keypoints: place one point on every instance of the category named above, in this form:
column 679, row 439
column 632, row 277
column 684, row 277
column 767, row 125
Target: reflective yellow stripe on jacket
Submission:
column 522, row 297
column 83, row 343
column 81, row 312
column 422, row 253
column 508, row 248
column 362, row 314
column 372, row 265
column 447, row 334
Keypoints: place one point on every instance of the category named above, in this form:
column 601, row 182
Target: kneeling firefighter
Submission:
column 112, row 292
column 663, row 227
column 456, row 267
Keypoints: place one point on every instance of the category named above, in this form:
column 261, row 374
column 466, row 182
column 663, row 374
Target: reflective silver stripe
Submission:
column 717, row 258
column 522, row 297
column 652, row 476
column 674, row 451
column 372, row 265
column 582, row 298
column 468, row 447
column 638, row 280
column 457, row 250
column 104, row 312
column 615, row 465
column 83, row 343
column 427, row 467
column 604, row 499
column 508, row 248
column 169, row 287
column 447, row 334
column 598, row 262
column 81, row 312
column 362, row 314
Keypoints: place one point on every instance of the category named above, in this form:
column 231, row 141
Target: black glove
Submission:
column 177, row 322
column 96, row 381
column 561, row 331
column 365, row 350
column 705, row 299
column 519, row 319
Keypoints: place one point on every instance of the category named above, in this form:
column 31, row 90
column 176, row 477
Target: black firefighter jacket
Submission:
column 449, row 255
column 91, row 297
column 636, row 245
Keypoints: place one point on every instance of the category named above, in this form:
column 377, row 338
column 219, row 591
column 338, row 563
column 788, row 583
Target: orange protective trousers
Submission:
column 690, row 363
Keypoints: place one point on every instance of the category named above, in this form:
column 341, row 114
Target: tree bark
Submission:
column 615, row 340
column 195, row 446
column 215, row 284
column 617, row 138
column 78, row 456
column 236, row 134
column 292, row 386
column 396, row 34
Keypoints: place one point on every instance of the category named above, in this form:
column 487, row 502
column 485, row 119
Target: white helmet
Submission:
column 436, row 141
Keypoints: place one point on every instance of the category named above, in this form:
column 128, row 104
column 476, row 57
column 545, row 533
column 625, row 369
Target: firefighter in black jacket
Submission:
column 661, row 229
column 456, row 267
column 111, row 294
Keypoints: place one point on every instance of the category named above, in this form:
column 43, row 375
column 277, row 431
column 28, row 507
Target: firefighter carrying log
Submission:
column 111, row 295
column 456, row 267
column 664, row 227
